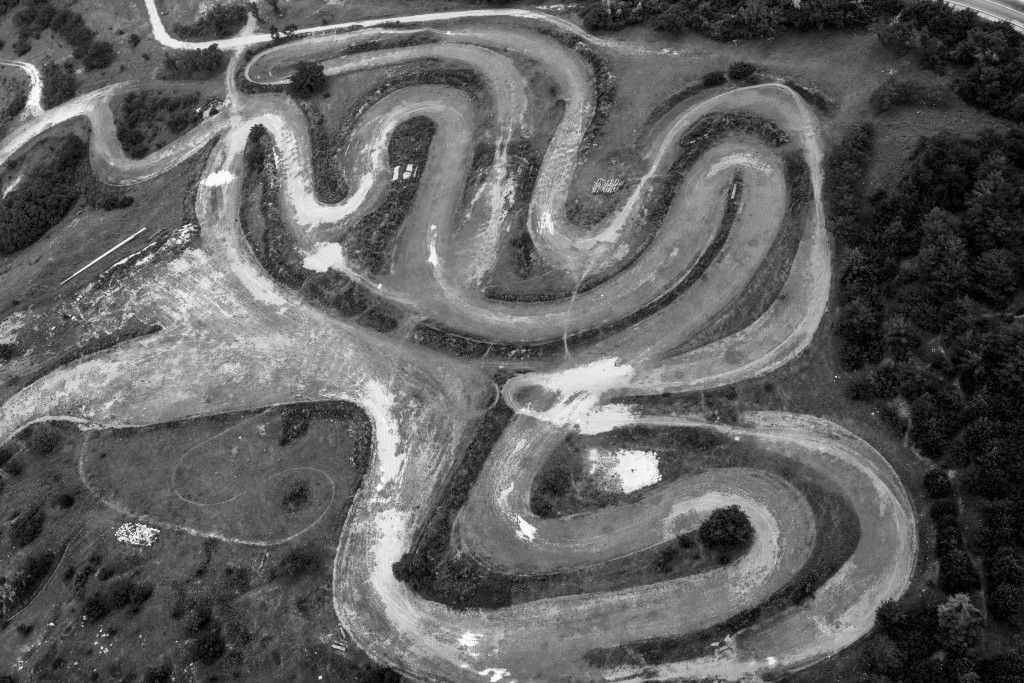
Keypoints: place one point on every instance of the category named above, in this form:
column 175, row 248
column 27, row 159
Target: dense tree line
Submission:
column 192, row 64
column 930, row 285
column 42, row 198
column 35, row 16
column 733, row 19
column 220, row 21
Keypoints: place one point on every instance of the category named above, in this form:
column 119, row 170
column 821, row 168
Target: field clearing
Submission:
column 231, row 478
column 275, row 626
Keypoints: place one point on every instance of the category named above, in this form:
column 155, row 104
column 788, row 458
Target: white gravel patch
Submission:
column 327, row 255
column 624, row 471
column 218, row 178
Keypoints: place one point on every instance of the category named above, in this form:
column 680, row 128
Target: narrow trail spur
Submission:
column 234, row 337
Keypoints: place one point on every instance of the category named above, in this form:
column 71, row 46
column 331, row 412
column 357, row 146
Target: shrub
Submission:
column 741, row 71
column 8, row 352
column 296, row 497
column 27, row 527
column 298, row 562
column 13, row 467
column 937, row 484
column 64, row 500
column 43, row 438
column 726, row 528
column 713, row 78
column 95, row 607
column 209, row 647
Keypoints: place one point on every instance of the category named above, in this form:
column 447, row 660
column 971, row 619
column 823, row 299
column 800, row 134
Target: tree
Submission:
column 959, row 623
column 307, row 80
column 726, row 528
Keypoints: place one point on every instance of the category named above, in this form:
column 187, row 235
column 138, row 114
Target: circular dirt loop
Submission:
column 234, row 338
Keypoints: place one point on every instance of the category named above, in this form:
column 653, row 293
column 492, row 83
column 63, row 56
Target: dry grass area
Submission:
column 269, row 608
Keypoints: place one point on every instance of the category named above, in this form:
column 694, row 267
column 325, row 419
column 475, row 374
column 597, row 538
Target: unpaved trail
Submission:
column 34, row 102
column 233, row 339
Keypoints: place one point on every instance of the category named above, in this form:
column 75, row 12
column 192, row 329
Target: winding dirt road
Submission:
column 233, row 338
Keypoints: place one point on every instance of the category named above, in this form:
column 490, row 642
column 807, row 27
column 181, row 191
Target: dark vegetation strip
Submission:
column 418, row 565
column 836, row 538
column 370, row 243
column 43, row 197
column 705, row 134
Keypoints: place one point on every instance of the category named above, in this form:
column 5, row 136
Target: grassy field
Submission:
column 216, row 609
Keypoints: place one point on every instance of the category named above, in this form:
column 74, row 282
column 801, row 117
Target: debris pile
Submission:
column 133, row 533
column 607, row 185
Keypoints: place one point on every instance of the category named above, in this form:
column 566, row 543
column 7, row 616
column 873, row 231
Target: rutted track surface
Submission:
column 234, row 339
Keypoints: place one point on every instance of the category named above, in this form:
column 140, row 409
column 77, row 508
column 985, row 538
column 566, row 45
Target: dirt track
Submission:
column 235, row 339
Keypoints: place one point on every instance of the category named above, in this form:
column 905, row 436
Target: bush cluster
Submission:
column 58, row 84
column 192, row 64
